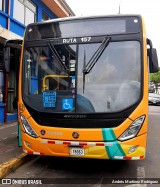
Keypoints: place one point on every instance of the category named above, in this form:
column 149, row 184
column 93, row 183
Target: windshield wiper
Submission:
column 84, row 65
column 88, row 67
column 96, row 55
column 54, row 51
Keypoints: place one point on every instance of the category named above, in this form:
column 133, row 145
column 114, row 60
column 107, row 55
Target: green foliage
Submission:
column 155, row 77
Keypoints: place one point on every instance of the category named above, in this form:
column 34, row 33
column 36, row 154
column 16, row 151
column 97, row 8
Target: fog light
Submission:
column 132, row 149
column 28, row 144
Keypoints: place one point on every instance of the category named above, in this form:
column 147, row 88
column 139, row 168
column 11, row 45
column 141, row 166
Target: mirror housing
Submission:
column 6, row 59
column 7, row 45
column 153, row 58
column 153, row 61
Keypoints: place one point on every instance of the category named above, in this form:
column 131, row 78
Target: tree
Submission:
column 155, row 78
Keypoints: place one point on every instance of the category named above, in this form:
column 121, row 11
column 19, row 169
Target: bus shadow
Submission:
column 78, row 167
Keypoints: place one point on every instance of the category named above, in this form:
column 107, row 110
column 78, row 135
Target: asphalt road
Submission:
column 90, row 172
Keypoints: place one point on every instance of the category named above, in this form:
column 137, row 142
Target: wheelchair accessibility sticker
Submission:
column 67, row 104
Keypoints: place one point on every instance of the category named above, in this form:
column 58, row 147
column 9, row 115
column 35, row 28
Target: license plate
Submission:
column 74, row 151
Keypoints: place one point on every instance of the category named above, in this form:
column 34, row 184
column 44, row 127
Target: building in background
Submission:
column 15, row 15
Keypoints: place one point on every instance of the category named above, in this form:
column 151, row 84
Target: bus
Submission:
column 83, row 87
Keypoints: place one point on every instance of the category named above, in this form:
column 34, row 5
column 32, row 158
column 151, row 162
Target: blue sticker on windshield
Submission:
column 49, row 99
column 67, row 104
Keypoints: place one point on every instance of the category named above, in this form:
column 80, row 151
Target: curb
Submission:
column 7, row 167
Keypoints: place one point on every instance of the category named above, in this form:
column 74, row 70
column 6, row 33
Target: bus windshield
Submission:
column 54, row 77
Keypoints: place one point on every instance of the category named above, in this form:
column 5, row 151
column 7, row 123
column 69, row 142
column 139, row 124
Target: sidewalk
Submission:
column 11, row 155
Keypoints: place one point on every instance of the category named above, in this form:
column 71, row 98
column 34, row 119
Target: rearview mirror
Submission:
column 153, row 61
column 6, row 58
column 153, row 58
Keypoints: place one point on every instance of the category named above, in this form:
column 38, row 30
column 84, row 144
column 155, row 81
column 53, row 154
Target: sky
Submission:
column 149, row 9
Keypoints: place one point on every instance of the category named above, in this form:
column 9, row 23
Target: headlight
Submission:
column 133, row 129
column 28, row 129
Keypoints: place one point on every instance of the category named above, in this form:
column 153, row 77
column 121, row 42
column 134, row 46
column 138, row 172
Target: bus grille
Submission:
column 79, row 123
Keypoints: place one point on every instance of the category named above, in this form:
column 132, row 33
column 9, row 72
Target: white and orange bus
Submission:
column 83, row 87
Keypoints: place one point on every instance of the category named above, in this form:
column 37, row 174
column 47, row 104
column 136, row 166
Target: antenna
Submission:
column 119, row 7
